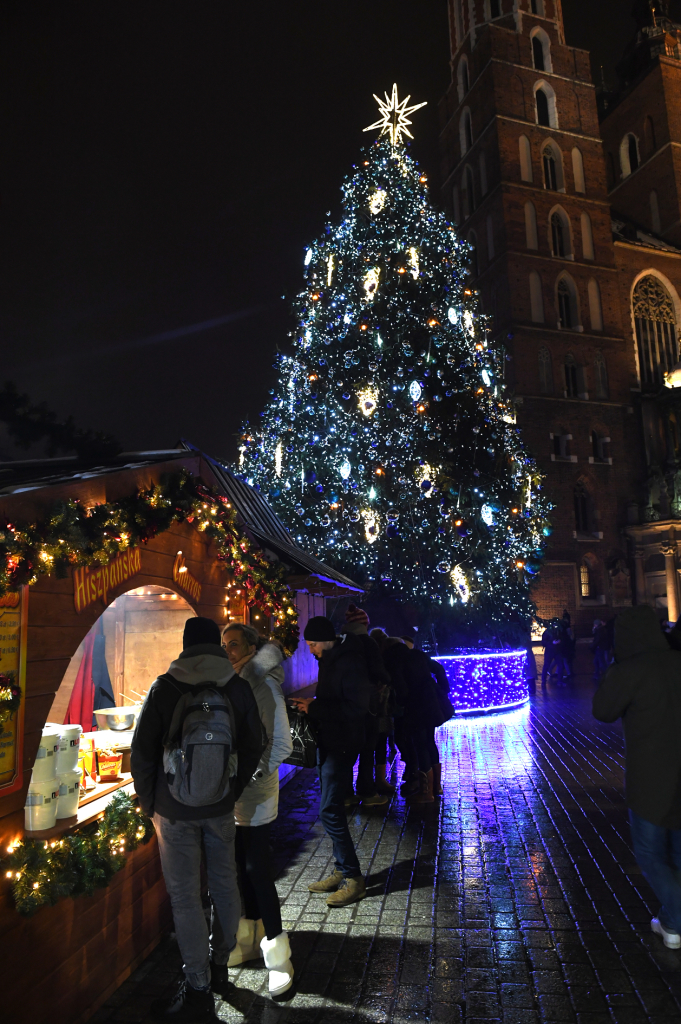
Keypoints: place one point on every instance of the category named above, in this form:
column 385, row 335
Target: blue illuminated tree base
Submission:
column 485, row 681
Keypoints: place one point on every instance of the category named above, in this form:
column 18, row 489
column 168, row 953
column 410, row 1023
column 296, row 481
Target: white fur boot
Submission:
column 248, row 936
column 277, row 956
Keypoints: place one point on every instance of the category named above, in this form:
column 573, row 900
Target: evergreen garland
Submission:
column 72, row 535
column 43, row 872
column 10, row 697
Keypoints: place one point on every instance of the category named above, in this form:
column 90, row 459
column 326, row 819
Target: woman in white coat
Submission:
column 260, row 931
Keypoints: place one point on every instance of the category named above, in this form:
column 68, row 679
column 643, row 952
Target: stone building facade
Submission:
column 572, row 203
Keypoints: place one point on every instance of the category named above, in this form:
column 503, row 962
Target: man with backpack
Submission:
column 197, row 743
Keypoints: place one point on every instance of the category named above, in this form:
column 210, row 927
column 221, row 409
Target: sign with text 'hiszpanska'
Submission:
column 90, row 584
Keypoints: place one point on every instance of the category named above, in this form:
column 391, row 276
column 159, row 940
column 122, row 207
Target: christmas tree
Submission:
column 389, row 446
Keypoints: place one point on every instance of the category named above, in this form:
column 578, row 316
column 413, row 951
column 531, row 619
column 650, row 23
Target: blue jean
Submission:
column 658, row 853
column 335, row 776
column 179, row 844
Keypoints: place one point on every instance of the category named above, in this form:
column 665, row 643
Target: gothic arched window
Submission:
column 584, row 579
column 531, row 237
column 629, row 159
column 525, row 158
column 495, row 8
column 542, row 108
column 582, row 509
column 536, row 298
column 655, row 320
column 537, row 7
column 545, row 104
column 468, row 192
column 541, row 50
column 545, row 372
column 587, row 237
column 578, row 170
column 595, row 306
column 566, row 301
column 571, row 376
column 601, row 374
column 462, row 78
column 560, row 234
column 552, row 165
column 466, row 131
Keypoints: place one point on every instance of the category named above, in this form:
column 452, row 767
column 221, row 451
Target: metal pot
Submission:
column 118, row 719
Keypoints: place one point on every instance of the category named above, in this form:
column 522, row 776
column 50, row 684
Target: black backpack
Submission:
column 199, row 758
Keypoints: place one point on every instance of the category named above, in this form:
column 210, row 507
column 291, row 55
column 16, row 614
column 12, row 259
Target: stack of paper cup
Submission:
column 45, row 767
column 69, row 742
column 40, row 810
column 69, row 792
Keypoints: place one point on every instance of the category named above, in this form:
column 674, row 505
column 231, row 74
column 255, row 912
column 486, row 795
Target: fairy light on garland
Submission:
column 440, row 462
column 10, row 697
column 73, row 535
column 42, row 872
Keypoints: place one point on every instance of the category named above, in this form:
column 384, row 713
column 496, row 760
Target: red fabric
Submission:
column 81, row 705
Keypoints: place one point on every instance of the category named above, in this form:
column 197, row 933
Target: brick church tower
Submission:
column 524, row 176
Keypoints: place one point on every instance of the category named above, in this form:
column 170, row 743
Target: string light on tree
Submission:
column 402, row 458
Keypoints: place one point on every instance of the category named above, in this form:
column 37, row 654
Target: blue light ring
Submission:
column 484, row 681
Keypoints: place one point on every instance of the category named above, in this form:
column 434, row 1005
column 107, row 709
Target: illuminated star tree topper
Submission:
column 394, row 116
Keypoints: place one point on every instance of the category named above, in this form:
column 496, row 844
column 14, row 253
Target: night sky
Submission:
column 165, row 165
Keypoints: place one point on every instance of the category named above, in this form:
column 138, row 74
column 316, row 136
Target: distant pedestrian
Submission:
column 599, row 648
column 169, row 750
column 260, row 931
column 339, row 712
column 643, row 688
column 550, row 641
column 568, row 644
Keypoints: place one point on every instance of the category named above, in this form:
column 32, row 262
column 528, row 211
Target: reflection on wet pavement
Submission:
column 516, row 898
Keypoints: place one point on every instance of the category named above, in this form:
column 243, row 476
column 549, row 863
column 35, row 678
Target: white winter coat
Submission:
column 259, row 802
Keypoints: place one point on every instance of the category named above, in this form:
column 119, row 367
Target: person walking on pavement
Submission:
column 227, row 703
column 643, row 688
column 550, row 641
column 427, row 707
column 373, row 788
column 338, row 711
column 260, row 930
column 598, row 649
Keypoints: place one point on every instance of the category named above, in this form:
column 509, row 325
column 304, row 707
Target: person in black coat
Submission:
column 183, row 831
column 338, row 711
column 426, row 708
column 643, row 688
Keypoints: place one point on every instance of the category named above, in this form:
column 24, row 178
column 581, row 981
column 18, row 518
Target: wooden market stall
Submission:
column 66, row 959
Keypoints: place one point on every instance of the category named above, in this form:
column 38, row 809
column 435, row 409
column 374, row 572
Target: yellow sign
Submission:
column 90, row 584
column 184, row 578
column 13, row 608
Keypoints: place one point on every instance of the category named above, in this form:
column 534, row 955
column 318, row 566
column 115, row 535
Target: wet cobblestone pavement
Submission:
column 515, row 899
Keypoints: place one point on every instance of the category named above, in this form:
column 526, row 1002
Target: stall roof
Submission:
column 21, row 476
column 268, row 529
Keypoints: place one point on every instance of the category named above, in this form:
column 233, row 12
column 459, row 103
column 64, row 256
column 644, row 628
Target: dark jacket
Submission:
column 395, row 657
column 643, row 688
column 423, row 710
column 342, row 698
column 196, row 667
